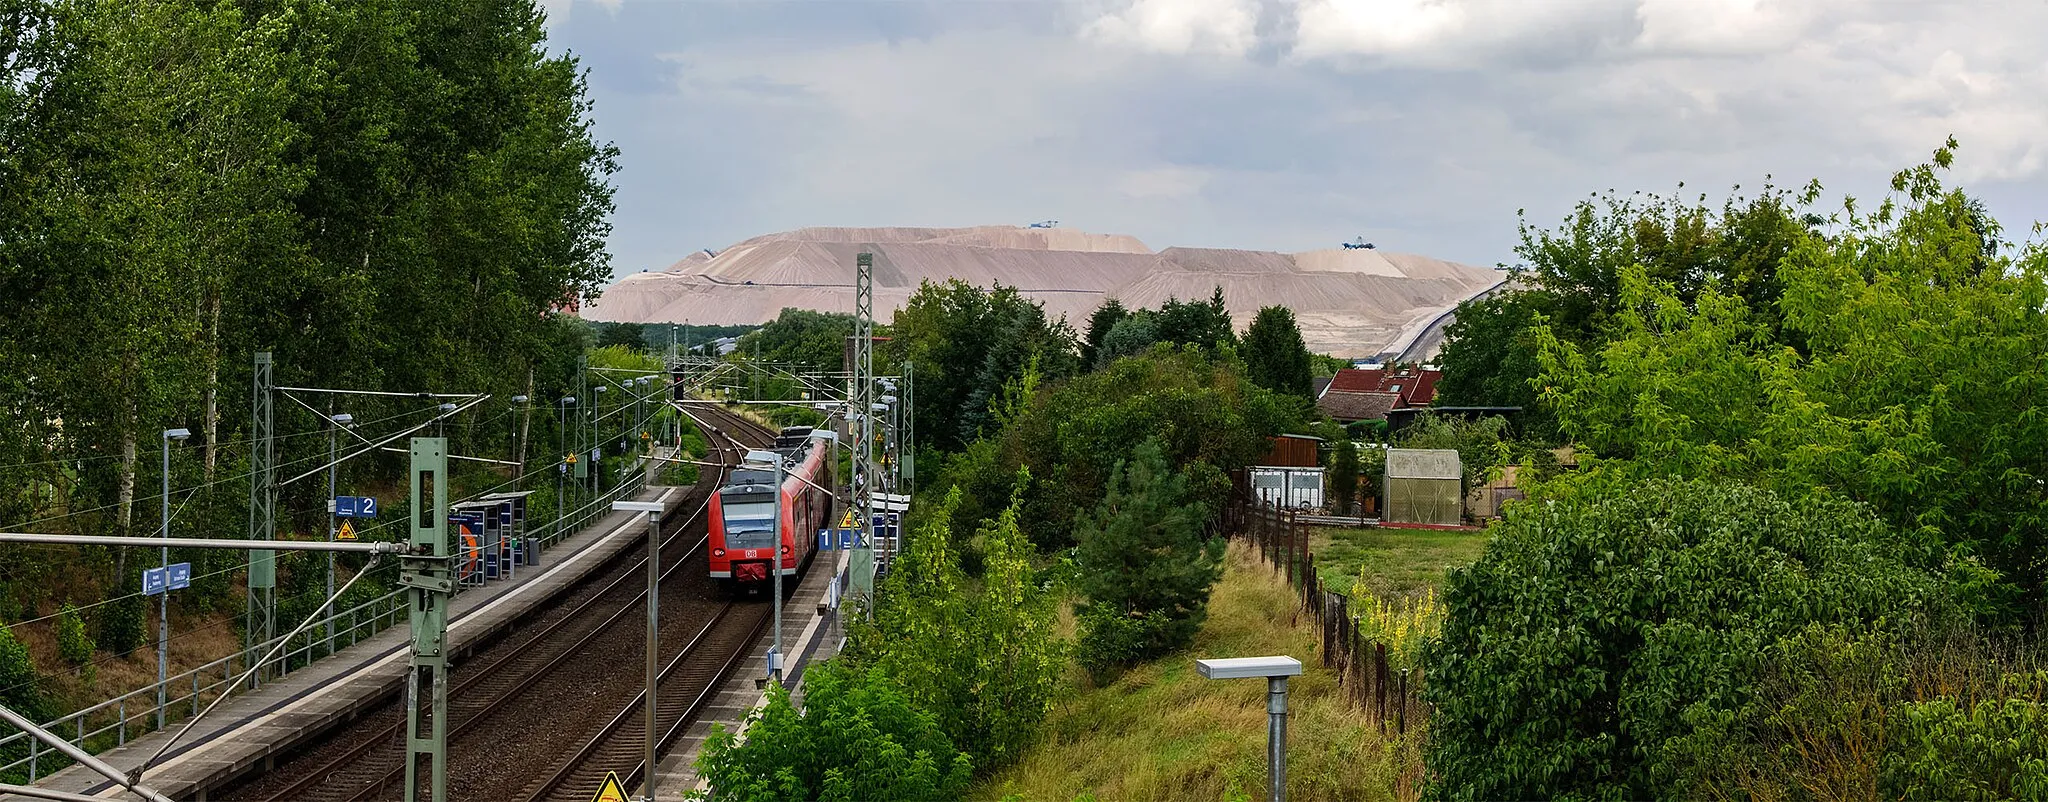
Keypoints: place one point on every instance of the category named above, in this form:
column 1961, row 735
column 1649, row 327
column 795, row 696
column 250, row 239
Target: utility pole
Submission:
column 261, row 612
column 862, row 402
column 909, row 457
column 429, row 577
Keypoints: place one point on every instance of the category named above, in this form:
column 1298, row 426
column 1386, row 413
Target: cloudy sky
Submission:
column 1423, row 125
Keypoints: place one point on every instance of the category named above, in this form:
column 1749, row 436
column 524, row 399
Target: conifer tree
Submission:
column 1144, row 557
column 1274, row 355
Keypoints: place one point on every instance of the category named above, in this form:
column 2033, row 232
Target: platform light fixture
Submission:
column 1276, row 669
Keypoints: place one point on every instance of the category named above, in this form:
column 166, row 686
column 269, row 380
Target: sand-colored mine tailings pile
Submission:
column 1349, row 302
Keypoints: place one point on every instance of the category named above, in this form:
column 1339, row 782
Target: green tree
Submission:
column 19, row 681
column 1274, row 356
column 1144, row 556
column 1203, row 324
column 1610, row 638
column 815, row 340
column 1908, row 382
column 628, row 335
column 967, row 344
column 1490, row 357
column 1130, row 336
column 1343, row 476
column 984, row 660
column 1104, row 318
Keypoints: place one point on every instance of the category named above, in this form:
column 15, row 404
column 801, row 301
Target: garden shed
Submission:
column 1424, row 486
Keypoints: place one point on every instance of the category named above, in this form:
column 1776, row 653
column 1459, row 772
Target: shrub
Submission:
column 1601, row 632
column 1111, row 640
column 73, row 644
column 859, row 737
column 1988, row 749
column 18, row 677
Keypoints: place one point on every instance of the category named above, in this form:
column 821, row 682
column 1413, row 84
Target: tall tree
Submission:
column 1104, row 318
column 1143, row 555
column 1274, row 356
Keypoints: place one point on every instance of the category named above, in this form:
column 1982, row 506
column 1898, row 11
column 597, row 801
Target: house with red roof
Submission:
column 1358, row 394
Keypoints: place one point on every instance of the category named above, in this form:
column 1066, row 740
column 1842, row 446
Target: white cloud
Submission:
column 1223, row 27
column 1288, row 124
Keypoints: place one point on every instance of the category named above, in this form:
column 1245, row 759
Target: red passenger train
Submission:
column 743, row 521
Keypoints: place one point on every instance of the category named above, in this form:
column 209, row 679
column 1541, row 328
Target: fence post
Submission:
column 1379, row 691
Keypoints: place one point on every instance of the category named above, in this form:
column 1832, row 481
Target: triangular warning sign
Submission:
column 611, row 791
column 348, row 530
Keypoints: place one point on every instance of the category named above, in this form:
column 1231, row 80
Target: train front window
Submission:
column 750, row 524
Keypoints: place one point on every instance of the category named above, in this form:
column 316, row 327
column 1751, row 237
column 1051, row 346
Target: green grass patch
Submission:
column 1392, row 564
column 1161, row 733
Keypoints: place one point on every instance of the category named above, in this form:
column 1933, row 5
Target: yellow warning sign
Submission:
column 611, row 791
column 348, row 530
column 846, row 522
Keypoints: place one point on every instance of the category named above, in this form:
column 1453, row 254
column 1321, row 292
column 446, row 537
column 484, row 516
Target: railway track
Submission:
column 371, row 766
column 685, row 685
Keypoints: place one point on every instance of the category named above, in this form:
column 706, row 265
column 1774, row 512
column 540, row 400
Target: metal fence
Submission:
column 111, row 723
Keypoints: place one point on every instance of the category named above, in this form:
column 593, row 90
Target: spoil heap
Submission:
column 1349, row 302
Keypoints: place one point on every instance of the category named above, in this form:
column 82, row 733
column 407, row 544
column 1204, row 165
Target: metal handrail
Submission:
column 377, row 615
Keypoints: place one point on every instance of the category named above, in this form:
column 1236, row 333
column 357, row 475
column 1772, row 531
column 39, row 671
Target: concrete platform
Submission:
column 254, row 728
column 810, row 633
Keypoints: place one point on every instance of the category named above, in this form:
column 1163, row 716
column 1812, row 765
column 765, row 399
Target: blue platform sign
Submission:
column 355, row 507
column 153, row 581
column 181, row 576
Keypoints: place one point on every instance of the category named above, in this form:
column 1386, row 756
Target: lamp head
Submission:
column 518, row 399
column 568, row 400
column 447, row 407
column 342, row 418
column 177, row 434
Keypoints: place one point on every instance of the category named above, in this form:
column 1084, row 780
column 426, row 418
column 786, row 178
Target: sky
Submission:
column 1424, row 126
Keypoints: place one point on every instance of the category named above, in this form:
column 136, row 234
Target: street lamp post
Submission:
column 596, row 440
column 163, row 601
column 1276, row 670
column 336, row 421
column 562, row 465
column 653, row 510
column 764, row 459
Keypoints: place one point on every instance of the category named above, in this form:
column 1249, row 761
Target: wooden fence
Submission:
column 1390, row 697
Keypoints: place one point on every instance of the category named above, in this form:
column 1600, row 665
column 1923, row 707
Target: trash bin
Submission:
column 532, row 551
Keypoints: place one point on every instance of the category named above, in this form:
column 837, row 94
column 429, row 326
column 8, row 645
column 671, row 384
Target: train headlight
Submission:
column 718, row 552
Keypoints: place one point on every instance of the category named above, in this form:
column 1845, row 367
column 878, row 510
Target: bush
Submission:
column 1111, row 640
column 19, row 679
column 1988, row 749
column 1602, row 633
column 73, row 644
column 859, row 737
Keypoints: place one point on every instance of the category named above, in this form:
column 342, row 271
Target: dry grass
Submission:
column 1163, row 733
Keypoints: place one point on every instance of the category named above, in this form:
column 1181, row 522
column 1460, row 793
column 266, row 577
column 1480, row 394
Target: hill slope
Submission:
column 1349, row 302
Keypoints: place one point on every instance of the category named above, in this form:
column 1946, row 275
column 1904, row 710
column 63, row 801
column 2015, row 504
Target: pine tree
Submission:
column 1144, row 557
column 1274, row 355
column 1105, row 317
